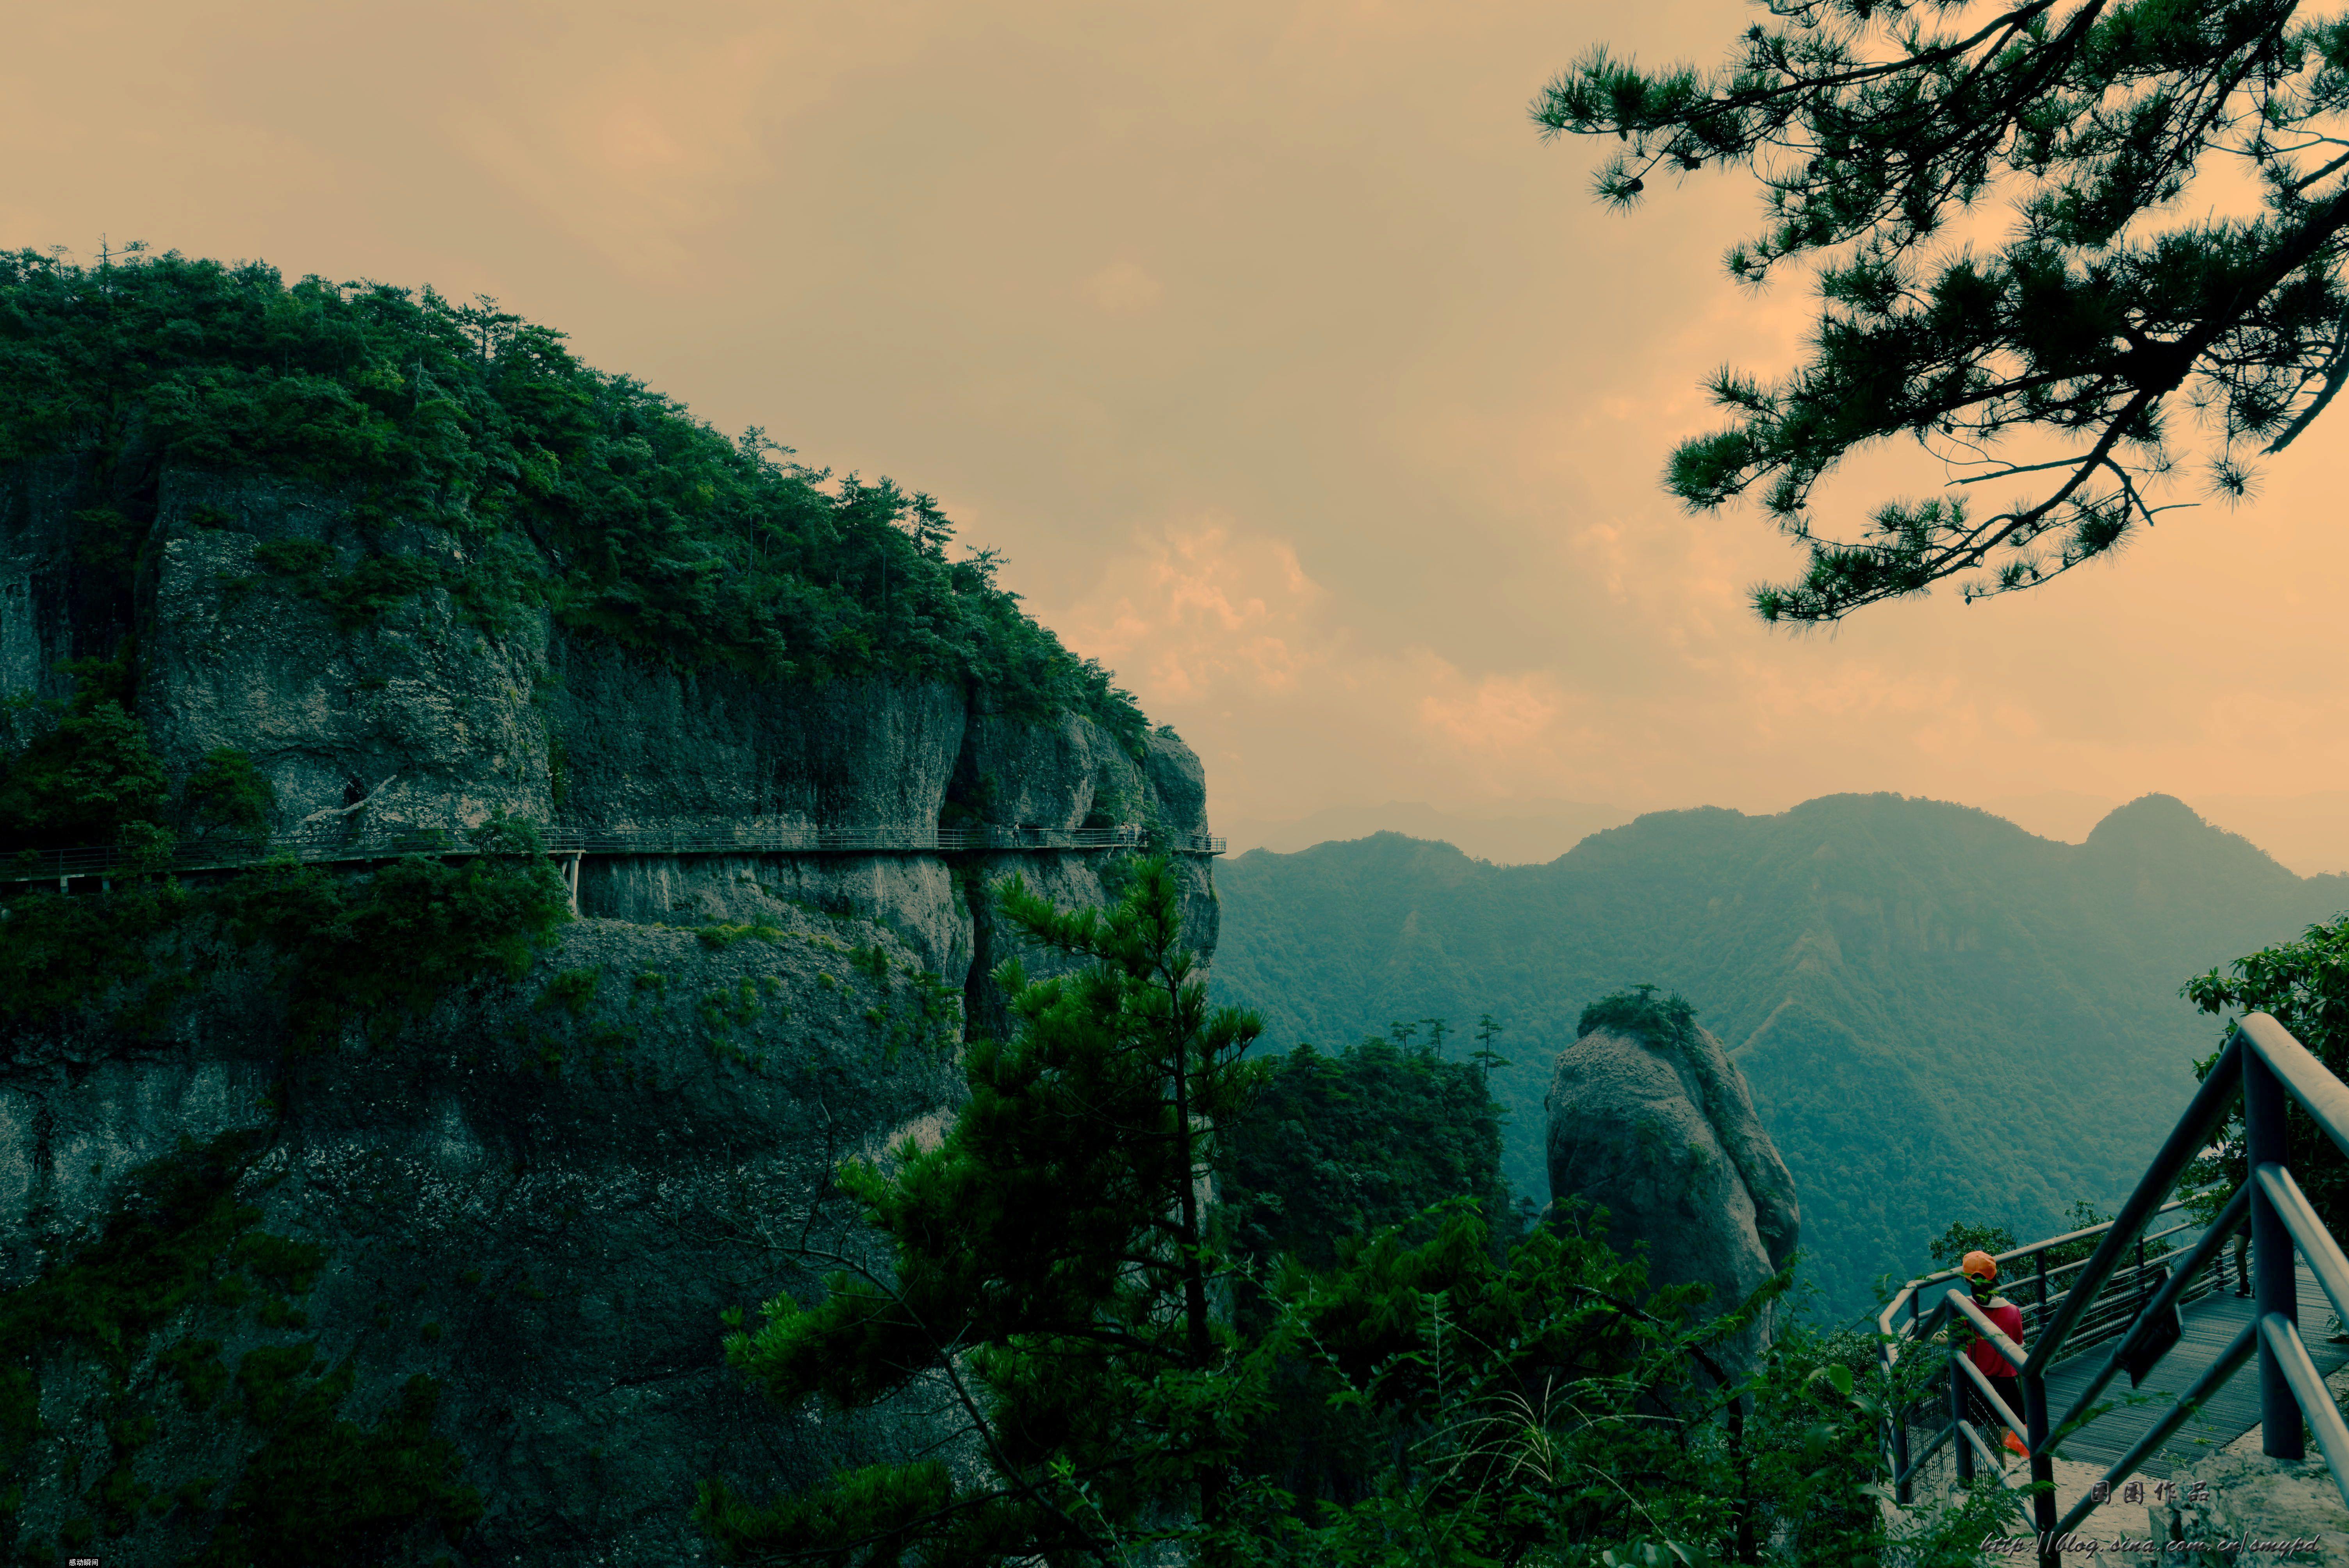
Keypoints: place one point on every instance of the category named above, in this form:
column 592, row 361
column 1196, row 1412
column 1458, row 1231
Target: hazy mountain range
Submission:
column 1942, row 1015
column 2306, row 833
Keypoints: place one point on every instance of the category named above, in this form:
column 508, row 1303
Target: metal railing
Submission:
column 2263, row 1063
column 2028, row 1280
column 336, row 844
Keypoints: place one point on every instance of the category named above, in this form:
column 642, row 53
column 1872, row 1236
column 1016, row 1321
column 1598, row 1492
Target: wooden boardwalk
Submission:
column 2212, row 1325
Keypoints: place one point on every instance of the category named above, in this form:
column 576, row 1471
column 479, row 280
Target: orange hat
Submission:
column 1979, row 1265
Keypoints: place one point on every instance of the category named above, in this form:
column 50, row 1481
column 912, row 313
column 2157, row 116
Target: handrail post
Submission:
column 2043, row 1467
column 1905, row 1491
column 1965, row 1449
column 2274, row 1287
column 1899, row 1409
column 2041, row 1259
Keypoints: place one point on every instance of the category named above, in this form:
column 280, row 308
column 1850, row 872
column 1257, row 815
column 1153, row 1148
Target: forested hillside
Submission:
column 1941, row 1015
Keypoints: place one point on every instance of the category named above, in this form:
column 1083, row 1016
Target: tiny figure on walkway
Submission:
column 1981, row 1270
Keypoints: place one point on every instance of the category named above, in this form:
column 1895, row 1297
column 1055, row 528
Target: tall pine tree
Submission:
column 1053, row 1275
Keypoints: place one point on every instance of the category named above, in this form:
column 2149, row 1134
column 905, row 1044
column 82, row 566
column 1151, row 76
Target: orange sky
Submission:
column 1298, row 378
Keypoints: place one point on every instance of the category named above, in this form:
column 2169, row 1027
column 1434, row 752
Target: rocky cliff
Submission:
column 1651, row 1121
column 441, row 1278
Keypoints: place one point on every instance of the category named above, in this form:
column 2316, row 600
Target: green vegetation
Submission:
column 91, row 778
column 380, row 950
column 1949, row 1249
column 718, row 938
column 572, row 990
column 1918, row 993
column 543, row 481
column 2117, row 309
column 59, row 954
column 321, row 1482
column 384, row 949
column 2304, row 984
column 1344, row 1145
column 1421, row 1396
column 1637, row 1013
column 226, row 794
column 1055, row 1237
column 153, row 1259
column 184, row 1250
column 363, row 594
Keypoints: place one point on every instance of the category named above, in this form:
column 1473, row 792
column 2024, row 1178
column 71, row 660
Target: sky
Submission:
column 1298, row 379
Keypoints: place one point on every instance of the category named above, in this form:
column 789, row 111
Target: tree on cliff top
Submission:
column 540, row 482
column 1870, row 124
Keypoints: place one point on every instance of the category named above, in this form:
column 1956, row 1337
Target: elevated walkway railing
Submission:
column 338, row 845
column 2026, row 1278
column 2071, row 1310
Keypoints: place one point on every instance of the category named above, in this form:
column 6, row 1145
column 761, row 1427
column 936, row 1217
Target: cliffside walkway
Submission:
column 2152, row 1295
column 2212, row 1311
column 572, row 845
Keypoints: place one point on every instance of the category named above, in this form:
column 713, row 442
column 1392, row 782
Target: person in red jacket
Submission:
column 1981, row 1270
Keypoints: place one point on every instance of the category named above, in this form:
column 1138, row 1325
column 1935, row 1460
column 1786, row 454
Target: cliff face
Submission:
column 540, row 1195
column 419, row 714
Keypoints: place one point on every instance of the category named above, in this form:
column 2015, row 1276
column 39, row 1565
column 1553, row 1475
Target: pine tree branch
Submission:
column 2336, row 372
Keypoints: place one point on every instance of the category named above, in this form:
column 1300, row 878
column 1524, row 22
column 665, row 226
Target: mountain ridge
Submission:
column 1880, row 966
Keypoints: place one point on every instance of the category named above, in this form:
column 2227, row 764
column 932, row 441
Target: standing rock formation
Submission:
column 1650, row 1119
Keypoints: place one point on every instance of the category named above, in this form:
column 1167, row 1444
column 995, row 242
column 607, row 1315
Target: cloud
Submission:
column 648, row 137
column 1196, row 608
column 1123, row 288
column 638, row 158
column 1304, row 382
column 1501, row 714
column 1207, row 617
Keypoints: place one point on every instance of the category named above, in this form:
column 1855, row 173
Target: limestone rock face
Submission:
column 36, row 618
column 542, row 1208
column 2254, row 1498
column 647, row 748
column 913, row 896
column 1067, row 773
column 1662, row 1135
column 416, row 719
column 543, row 1195
column 1178, row 784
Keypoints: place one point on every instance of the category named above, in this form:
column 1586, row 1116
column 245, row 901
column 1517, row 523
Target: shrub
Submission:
column 82, row 782
column 226, row 793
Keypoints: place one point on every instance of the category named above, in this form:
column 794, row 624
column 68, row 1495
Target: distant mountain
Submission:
column 1530, row 832
column 2307, row 833
column 1941, row 1015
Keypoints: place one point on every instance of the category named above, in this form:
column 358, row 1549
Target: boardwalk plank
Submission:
column 2211, row 1323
